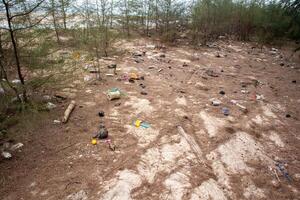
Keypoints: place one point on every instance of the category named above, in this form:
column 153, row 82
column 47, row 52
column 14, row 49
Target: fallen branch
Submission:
column 69, row 111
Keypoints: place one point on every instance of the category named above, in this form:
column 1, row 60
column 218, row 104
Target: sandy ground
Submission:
column 191, row 149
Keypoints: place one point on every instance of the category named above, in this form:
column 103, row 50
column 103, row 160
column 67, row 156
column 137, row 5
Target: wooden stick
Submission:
column 69, row 111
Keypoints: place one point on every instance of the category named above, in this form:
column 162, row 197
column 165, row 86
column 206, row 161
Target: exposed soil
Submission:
column 218, row 157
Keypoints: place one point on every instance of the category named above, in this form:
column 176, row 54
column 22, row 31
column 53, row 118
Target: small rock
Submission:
column 296, row 177
column 162, row 55
column 287, row 115
column 185, row 64
column 216, row 102
column 142, row 85
column 81, row 195
column 275, row 183
column 1, row 90
column 50, row 105
column 87, row 78
column 281, row 64
column 294, row 81
column 144, row 93
column 245, row 91
column 56, row 121
column 201, row 86
column 16, row 146
column 6, row 155
column 6, row 145
column 16, row 81
column 137, row 54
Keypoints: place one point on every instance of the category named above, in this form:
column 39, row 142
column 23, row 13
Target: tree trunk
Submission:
column 15, row 49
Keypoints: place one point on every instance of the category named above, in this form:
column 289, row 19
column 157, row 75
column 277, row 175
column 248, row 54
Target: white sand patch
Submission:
column 181, row 101
column 164, row 159
column 221, row 172
column 81, row 195
column 178, row 184
column 89, row 104
column 139, row 105
column 258, row 120
column 252, row 192
column 268, row 111
column 240, row 149
column 276, row 139
column 121, row 187
column 144, row 135
column 180, row 113
column 208, row 190
column 181, row 60
column 184, row 52
column 212, row 124
column 114, row 113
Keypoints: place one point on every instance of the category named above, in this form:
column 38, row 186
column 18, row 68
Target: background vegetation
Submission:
column 32, row 31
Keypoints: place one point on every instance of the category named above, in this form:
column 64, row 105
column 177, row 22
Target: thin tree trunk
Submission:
column 15, row 49
column 54, row 20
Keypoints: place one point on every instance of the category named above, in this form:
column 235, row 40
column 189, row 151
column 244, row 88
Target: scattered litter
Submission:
column 16, row 81
column 69, row 111
column 16, row 146
column 101, row 114
column 216, row 102
column 109, row 75
column 94, row 141
column 6, row 155
column 245, row 91
column 280, row 166
column 56, row 121
column 243, row 108
column 50, row 106
column 139, row 123
column 111, row 145
column 113, row 93
column 222, row 92
column 225, row 111
column 133, row 76
column 259, row 97
column 102, row 133
column 160, row 70
column 87, row 78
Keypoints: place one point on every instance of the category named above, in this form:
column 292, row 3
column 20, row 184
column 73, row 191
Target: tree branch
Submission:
column 28, row 12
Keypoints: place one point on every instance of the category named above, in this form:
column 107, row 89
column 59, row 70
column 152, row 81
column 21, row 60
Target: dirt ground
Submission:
column 191, row 149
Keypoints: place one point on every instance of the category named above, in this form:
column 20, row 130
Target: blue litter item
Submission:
column 282, row 169
column 225, row 111
column 145, row 125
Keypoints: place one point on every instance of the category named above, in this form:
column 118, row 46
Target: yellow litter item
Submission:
column 134, row 76
column 138, row 123
column 94, row 141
